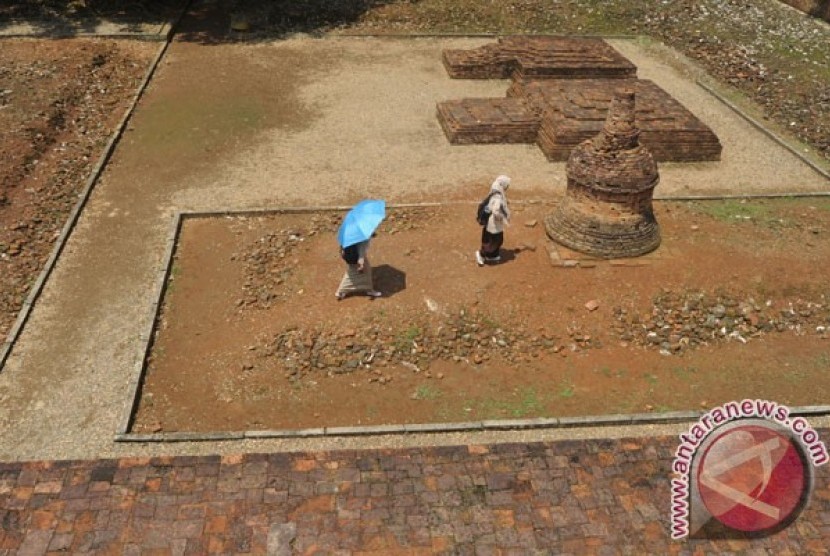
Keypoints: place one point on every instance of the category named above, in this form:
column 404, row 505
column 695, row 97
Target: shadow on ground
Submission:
column 389, row 279
column 206, row 21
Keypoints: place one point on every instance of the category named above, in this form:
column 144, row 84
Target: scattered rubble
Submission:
column 376, row 349
column 59, row 104
column 680, row 321
column 270, row 261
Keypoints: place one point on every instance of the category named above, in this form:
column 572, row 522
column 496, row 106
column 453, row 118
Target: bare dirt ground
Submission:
column 59, row 104
column 732, row 305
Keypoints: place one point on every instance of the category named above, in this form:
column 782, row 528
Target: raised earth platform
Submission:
column 564, row 103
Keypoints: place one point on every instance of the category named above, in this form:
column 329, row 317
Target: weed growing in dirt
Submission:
column 529, row 403
column 566, row 390
column 426, row 392
column 172, row 276
column 732, row 210
column 405, row 339
column 522, row 403
column 608, row 372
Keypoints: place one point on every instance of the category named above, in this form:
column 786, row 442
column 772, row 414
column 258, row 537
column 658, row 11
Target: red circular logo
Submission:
column 753, row 477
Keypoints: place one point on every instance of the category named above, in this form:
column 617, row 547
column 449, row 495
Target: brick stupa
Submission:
column 607, row 209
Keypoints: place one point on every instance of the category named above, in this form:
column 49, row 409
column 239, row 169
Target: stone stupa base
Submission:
column 616, row 239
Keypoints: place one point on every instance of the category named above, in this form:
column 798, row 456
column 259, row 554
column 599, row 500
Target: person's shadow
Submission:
column 388, row 279
column 509, row 255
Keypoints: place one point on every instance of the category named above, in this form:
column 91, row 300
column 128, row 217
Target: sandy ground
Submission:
column 292, row 123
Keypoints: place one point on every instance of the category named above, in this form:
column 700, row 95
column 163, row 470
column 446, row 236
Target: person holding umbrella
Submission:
column 355, row 232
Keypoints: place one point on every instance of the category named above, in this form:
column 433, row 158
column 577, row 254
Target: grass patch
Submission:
column 426, row 392
column 524, row 403
column 406, row 338
column 733, row 210
column 566, row 390
column 529, row 403
column 608, row 372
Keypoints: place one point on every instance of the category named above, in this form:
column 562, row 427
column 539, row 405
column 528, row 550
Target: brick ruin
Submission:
column 607, row 209
column 539, row 57
column 560, row 95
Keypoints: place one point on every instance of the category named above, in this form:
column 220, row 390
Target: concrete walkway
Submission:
column 577, row 497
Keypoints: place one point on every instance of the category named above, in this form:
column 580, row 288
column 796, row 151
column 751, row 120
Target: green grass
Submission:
column 529, row 403
column 426, row 392
column 732, row 210
column 522, row 403
column 566, row 390
column 608, row 372
column 175, row 272
column 404, row 340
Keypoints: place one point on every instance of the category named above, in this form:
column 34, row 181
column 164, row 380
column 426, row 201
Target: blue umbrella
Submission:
column 361, row 221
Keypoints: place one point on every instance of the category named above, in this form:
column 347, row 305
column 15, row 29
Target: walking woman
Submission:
column 357, row 229
column 358, row 276
column 492, row 231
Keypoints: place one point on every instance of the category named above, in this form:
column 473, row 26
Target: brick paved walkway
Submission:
column 599, row 497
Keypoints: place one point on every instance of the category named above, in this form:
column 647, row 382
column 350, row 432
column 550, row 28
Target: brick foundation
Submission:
column 607, row 209
column 559, row 97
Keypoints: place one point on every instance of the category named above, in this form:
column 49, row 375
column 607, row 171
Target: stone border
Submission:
column 475, row 35
column 60, row 29
column 74, row 215
column 156, row 302
column 123, row 433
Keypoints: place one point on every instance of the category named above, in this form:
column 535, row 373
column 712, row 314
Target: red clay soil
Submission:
column 60, row 101
column 252, row 337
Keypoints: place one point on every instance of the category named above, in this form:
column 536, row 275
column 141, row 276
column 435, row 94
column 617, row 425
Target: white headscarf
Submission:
column 501, row 184
column 498, row 204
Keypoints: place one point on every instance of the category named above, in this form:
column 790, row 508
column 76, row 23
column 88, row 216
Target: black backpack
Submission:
column 350, row 254
column 483, row 212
